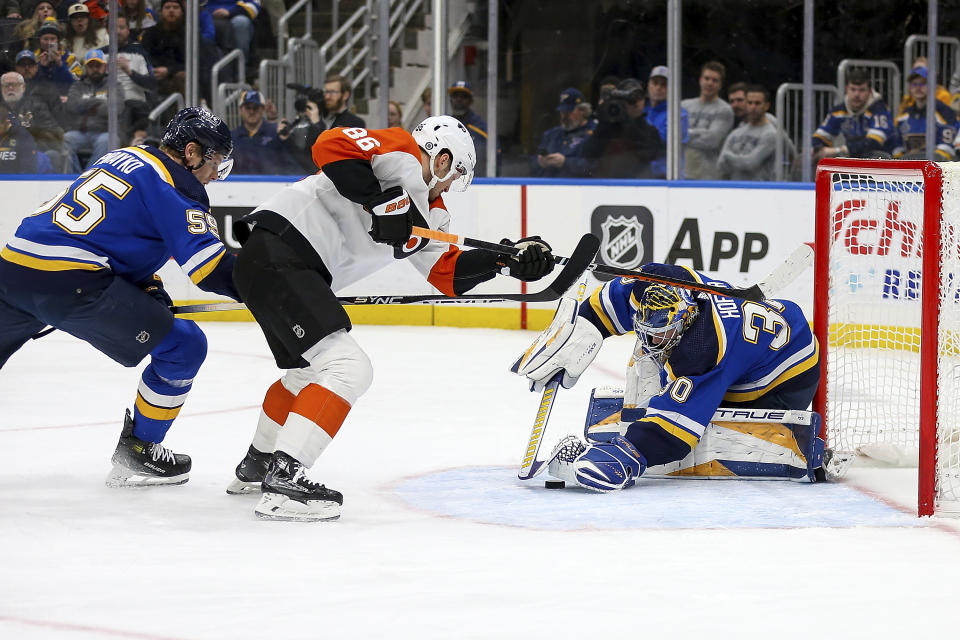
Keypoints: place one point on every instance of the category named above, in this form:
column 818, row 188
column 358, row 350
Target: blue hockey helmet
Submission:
column 665, row 312
column 196, row 124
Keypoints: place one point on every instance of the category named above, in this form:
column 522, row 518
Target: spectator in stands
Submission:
column 165, row 44
column 560, row 152
column 40, row 89
column 737, row 98
column 33, row 115
column 336, row 97
column 656, row 112
column 943, row 95
column 10, row 9
column 257, row 149
column 139, row 17
column 862, row 122
column 607, row 84
column 27, row 29
column 711, row 119
column 134, row 73
column 394, row 114
column 18, row 151
column 239, row 15
column 425, row 99
column 623, row 143
column 298, row 136
column 57, row 63
column 461, row 99
column 82, row 35
column 87, row 103
column 748, row 152
column 911, row 141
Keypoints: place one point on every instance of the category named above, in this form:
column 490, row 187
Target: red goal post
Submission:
column 887, row 315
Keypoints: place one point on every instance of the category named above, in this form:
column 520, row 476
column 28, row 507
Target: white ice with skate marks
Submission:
column 443, row 422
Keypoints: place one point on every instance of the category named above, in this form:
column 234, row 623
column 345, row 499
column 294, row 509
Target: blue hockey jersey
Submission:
column 130, row 212
column 868, row 131
column 736, row 351
column 912, row 133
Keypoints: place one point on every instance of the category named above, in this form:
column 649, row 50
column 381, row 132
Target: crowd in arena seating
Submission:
column 54, row 88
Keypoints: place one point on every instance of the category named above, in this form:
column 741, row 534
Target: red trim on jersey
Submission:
column 334, row 145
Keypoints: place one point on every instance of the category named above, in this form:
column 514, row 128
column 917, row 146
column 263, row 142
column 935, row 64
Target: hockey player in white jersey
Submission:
column 321, row 234
column 694, row 351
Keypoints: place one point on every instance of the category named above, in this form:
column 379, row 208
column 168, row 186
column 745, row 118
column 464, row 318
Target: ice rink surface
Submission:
column 438, row 538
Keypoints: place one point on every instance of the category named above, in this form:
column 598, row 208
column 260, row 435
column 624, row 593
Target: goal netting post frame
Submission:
column 887, row 315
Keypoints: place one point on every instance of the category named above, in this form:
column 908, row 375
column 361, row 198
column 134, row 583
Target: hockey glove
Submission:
column 392, row 221
column 534, row 261
column 569, row 344
column 154, row 288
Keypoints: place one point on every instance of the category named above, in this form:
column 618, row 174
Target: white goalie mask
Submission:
column 445, row 133
column 665, row 313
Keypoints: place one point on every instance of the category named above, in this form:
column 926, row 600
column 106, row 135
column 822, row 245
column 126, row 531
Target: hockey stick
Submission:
column 787, row 271
column 573, row 268
column 753, row 293
column 532, row 464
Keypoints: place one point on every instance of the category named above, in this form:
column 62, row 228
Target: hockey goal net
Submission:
column 887, row 315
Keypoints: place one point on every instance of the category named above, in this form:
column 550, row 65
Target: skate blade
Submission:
column 241, row 488
column 273, row 506
column 121, row 477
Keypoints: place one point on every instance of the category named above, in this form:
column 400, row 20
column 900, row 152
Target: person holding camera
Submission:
column 623, row 143
column 57, row 65
column 336, row 93
column 299, row 135
column 560, row 153
column 257, row 147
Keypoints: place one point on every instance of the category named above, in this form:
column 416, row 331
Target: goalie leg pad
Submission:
column 602, row 467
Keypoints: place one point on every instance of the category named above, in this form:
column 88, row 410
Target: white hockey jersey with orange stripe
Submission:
column 326, row 208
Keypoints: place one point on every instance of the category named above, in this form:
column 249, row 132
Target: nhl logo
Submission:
column 298, row 331
column 621, row 242
column 142, row 337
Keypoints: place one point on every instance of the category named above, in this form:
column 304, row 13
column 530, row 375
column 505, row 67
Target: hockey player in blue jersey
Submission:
column 84, row 263
column 693, row 351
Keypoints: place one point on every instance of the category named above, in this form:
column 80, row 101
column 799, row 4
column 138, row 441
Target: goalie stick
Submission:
column 533, row 464
column 573, row 268
column 755, row 293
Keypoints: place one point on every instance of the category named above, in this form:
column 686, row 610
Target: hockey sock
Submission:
column 313, row 421
column 166, row 381
column 276, row 408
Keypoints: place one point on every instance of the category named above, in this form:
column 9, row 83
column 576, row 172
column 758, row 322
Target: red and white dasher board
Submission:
column 737, row 234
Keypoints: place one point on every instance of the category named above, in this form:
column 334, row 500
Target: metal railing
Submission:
column 789, row 114
column 947, row 51
column 169, row 101
column 884, row 78
column 401, row 13
column 283, row 32
column 349, row 51
column 216, row 94
column 274, row 76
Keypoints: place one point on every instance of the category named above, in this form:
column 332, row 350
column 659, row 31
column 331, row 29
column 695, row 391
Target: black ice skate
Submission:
column 137, row 463
column 250, row 472
column 289, row 495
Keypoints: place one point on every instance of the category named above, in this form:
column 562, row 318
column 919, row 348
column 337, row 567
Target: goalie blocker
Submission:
column 746, row 444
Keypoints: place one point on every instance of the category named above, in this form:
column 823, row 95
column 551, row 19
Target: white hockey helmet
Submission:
column 445, row 133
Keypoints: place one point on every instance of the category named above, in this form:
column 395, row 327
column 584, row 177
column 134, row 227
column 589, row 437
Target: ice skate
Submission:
column 250, row 472
column 137, row 463
column 289, row 495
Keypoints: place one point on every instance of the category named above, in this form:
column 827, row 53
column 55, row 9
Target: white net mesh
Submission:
column 874, row 316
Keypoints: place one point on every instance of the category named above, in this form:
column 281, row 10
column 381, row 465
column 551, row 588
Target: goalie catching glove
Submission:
column 569, row 345
column 392, row 212
column 534, row 261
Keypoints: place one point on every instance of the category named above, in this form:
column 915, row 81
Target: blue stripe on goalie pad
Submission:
column 494, row 495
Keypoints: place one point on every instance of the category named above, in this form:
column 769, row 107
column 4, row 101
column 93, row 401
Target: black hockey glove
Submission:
column 392, row 216
column 154, row 288
column 534, row 261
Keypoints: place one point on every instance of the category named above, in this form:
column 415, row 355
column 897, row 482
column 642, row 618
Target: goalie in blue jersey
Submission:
column 694, row 352
column 85, row 263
